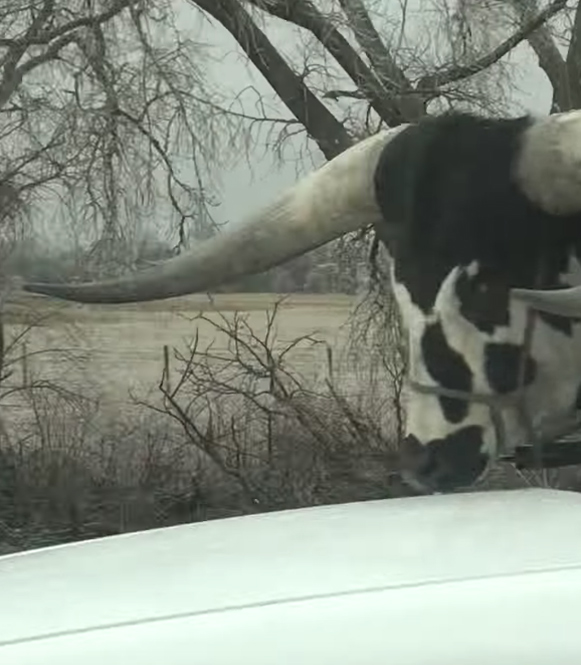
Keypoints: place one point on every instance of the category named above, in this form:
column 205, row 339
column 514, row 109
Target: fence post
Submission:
column 165, row 376
column 25, row 373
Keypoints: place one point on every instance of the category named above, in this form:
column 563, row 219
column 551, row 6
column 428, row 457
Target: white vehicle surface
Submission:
column 470, row 579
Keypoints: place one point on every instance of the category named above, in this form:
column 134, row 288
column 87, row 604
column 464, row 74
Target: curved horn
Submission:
column 334, row 200
column 566, row 302
column 548, row 168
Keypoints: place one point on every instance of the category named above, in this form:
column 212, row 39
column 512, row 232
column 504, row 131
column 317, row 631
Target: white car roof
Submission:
column 284, row 556
column 477, row 577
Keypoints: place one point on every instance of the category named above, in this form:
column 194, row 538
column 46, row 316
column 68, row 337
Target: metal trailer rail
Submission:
column 565, row 451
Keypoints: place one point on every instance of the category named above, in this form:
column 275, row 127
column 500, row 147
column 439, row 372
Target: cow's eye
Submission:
column 483, row 299
column 484, row 294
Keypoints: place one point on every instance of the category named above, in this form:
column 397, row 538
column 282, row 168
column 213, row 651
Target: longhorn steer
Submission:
column 470, row 210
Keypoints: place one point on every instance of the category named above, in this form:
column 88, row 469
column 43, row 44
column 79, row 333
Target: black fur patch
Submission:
column 484, row 299
column 449, row 463
column 502, row 365
column 448, row 369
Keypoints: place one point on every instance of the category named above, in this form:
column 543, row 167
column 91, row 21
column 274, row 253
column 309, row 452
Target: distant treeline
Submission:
column 328, row 269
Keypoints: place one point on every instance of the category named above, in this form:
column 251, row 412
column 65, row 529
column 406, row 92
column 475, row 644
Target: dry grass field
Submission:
column 258, row 432
column 73, row 468
column 118, row 349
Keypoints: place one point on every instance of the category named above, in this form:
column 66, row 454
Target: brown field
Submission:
column 118, row 349
column 82, row 467
column 109, row 464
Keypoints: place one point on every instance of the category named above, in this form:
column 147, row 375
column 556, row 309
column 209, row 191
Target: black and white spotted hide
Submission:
column 468, row 235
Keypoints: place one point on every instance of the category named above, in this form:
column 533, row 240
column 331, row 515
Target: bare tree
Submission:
column 280, row 436
column 100, row 103
column 392, row 68
column 108, row 117
column 556, row 45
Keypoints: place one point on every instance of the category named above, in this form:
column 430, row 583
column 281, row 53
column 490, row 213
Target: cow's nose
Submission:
column 443, row 465
column 414, row 460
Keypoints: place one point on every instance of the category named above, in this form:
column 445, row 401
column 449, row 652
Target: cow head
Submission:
column 472, row 341
column 475, row 228
column 470, row 210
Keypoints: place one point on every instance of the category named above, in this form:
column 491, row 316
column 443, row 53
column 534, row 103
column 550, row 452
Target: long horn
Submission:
column 330, row 202
column 566, row 302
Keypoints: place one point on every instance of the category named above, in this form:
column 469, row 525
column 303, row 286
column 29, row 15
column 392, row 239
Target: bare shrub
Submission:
column 377, row 346
column 281, row 438
column 75, row 475
column 69, row 470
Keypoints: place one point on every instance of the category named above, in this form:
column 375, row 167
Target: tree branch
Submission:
column 13, row 76
column 40, row 39
column 17, row 50
column 573, row 63
column 550, row 59
column 320, row 123
column 392, row 77
column 368, row 38
column 57, row 39
column 338, row 94
column 431, row 83
column 305, row 15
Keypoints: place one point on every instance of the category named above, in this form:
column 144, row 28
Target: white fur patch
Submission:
column 548, row 168
column 557, row 355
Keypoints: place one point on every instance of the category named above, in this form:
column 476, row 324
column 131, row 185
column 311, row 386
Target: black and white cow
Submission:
column 482, row 217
